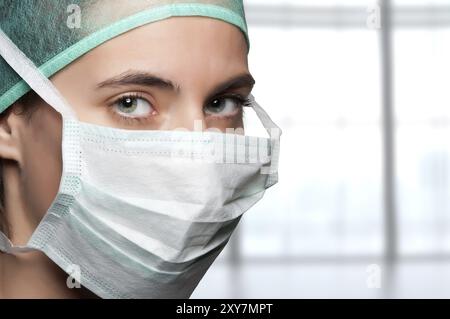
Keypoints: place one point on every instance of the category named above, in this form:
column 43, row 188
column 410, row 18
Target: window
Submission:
column 365, row 153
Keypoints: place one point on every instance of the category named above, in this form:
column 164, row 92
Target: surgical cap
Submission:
column 54, row 33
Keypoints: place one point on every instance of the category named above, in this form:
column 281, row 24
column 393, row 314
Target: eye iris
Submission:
column 217, row 105
column 128, row 105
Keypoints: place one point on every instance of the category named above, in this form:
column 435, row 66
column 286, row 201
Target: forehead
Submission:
column 174, row 47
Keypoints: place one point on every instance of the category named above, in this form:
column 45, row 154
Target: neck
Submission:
column 30, row 274
column 33, row 275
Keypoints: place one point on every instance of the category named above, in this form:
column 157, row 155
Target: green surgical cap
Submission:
column 54, row 33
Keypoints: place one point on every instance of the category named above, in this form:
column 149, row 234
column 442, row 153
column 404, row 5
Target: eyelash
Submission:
column 127, row 119
column 242, row 101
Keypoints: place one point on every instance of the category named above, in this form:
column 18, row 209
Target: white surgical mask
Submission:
column 143, row 214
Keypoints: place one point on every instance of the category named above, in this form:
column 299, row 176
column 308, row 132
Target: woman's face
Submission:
column 162, row 76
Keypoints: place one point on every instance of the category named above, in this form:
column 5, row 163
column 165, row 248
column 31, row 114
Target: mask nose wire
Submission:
column 26, row 69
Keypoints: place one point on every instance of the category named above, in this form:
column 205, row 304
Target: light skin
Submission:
column 161, row 76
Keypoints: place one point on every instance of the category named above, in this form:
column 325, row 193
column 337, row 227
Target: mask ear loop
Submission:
column 7, row 247
column 26, row 69
column 274, row 132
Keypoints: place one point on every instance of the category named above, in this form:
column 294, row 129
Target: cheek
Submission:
column 42, row 164
column 235, row 122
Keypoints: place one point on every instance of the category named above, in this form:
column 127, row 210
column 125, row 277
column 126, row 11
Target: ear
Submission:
column 9, row 146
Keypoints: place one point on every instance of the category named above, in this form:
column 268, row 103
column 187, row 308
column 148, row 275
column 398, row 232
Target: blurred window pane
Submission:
column 328, row 198
column 422, row 76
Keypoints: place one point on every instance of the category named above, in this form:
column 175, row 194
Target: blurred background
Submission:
column 362, row 209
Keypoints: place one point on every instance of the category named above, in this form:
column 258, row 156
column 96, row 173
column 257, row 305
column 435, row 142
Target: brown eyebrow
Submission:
column 139, row 78
column 237, row 82
column 148, row 79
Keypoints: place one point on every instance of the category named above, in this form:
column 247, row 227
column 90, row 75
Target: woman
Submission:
column 95, row 185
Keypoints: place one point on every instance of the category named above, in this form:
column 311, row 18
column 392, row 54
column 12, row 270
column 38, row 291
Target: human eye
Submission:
column 226, row 106
column 132, row 107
